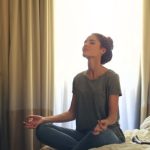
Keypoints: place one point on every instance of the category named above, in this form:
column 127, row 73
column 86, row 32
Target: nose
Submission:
column 85, row 43
column 83, row 48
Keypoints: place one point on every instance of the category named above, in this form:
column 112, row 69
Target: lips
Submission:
column 84, row 49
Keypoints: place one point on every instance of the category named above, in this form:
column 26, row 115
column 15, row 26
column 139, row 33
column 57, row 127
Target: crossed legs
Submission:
column 68, row 139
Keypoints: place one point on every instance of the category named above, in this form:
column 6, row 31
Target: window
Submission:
column 74, row 20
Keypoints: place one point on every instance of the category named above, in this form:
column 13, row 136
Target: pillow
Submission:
column 146, row 124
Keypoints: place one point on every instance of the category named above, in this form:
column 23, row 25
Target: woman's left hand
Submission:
column 101, row 126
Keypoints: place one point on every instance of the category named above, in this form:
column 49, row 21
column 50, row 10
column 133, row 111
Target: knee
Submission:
column 42, row 129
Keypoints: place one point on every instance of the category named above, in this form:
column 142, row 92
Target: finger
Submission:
column 96, row 132
column 29, row 118
column 34, row 116
column 97, row 129
column 24, row 123
column 98, row 121
column 103, row 126
column 29, row 126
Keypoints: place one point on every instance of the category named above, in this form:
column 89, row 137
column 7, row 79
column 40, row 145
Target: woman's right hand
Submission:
column 32, row 121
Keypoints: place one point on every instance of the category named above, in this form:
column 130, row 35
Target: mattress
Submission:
column 143, row 134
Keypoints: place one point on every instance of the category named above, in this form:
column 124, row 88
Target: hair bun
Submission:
column 110, row 43
column 107, row 43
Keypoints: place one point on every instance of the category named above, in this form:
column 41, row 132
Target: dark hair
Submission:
column 107, row 43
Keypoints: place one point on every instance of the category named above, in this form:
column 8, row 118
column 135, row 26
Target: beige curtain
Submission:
column 145, row 62
column 26, row 72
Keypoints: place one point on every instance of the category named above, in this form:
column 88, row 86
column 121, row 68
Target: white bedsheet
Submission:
column 143, row 135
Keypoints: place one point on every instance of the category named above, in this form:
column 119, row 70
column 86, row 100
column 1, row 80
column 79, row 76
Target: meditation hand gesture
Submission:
column 101, row 126
column 33, row 121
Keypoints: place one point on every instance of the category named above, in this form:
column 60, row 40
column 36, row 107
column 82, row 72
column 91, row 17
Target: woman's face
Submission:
column 92, row 47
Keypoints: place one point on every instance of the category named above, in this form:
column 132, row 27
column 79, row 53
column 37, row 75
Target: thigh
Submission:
column 57, row 137
column 104, row 138
column 70, row 132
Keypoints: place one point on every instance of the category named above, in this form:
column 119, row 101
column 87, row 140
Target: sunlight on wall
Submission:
column 74, row 20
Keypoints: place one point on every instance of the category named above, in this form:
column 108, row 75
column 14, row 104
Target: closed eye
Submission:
column 91, row 42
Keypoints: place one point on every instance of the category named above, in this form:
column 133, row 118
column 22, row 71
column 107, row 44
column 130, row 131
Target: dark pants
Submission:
column 68, row 139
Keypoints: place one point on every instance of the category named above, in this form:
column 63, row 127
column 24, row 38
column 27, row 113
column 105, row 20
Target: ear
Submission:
column 103, row 51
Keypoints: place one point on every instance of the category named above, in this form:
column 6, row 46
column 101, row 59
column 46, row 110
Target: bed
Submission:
column 143, row 134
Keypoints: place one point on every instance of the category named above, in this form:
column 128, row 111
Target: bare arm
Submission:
column 112, row 116
column 32, row 121
column 113, row 109
column 66, row 116
column 113, row 112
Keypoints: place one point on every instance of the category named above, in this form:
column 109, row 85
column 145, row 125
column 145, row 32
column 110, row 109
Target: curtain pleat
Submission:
column 4, row 50
column 26, row 69
column 145, row 62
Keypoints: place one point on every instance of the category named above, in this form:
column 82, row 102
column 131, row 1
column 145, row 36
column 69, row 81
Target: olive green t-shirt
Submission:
column 93, row 97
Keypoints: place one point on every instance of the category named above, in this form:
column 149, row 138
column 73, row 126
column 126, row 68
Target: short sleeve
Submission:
column 73, row 87
column 114, row 85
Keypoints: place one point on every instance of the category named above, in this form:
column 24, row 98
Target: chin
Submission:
column 85, row 55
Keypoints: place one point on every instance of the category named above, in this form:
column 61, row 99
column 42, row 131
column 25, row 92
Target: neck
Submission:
column 92, row 66
column 95, row 69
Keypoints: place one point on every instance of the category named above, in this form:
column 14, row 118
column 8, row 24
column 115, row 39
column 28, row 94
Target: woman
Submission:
column 94, row 104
